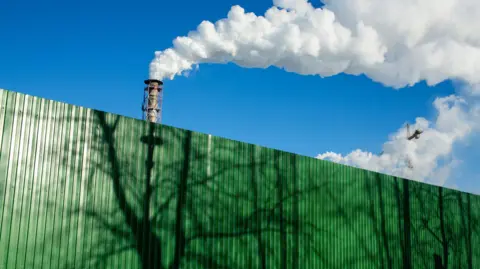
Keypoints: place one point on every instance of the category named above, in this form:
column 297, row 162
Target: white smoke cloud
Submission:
column 397, row 43
column 430, row 155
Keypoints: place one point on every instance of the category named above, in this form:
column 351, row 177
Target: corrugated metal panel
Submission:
column 85, row 189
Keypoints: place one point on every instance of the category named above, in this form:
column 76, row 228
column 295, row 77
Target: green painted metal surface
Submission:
column 86, row 189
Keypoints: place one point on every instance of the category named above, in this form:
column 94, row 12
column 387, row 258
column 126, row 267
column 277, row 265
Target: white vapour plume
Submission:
column 397, row 43
column 456, row 119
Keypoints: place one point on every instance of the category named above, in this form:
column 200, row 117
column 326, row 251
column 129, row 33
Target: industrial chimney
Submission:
column 152, row 103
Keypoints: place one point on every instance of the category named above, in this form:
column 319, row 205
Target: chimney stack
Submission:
column 152, row 105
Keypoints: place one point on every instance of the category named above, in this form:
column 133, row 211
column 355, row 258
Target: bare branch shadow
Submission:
column 113, row 192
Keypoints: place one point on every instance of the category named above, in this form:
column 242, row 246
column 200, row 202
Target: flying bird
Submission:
column 415, row 134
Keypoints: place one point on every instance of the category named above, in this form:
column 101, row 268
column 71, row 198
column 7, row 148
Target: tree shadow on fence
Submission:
column 201, row 212
column 115, row 192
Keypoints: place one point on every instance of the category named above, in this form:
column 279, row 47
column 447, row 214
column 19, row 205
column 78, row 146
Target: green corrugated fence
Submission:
column 81, row 188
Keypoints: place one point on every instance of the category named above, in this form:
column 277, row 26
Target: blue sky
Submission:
column 96, row 54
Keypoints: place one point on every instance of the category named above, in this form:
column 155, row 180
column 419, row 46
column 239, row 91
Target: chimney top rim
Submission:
column 148, row 81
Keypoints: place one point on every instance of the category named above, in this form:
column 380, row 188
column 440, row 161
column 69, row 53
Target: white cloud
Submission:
column 397, row 43
column 430, row 155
